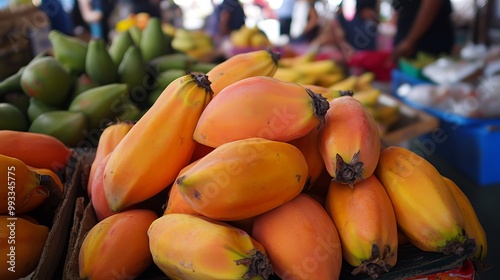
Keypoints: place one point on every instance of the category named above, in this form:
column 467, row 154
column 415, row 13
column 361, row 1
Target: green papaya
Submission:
column 119, row 45
column 153, row 41
column 132, row 70
column 12, row 118
column 98, row 64
column 12, row 83
column 203, row 67
column 46, row 79
column 71, row 128
column 136, row 34
column 165, row 78
column 69, row 50
column 18, row 99
column 153, row 96
column 170, row 61
column 100, row 104
column 82, row 83
column 37, row 107
column 130, row 112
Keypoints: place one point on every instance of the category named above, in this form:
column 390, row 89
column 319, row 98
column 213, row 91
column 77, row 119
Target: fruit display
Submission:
column 264, row 179
column 265, row 167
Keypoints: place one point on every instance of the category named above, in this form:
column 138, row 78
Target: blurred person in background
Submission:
column 351, row 35
column 284, row 14
column 312, row 26
column 172, row 13
column 228, row 16
column 93, row 16
column 151, row 7
column 423, row 26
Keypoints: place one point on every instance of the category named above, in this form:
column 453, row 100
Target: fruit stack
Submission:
column 32, row 189
column 263, row 178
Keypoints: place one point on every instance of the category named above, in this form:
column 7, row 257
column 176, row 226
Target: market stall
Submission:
column 160, row 155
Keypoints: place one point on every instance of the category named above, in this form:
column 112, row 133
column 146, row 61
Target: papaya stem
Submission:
column 320, row 104
column 258, row 265
column 348, row 172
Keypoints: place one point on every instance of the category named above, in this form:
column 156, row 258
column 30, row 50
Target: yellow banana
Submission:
column 473, row 226
column 367, row 97
column 316, row 67
column 23, row 189
column 187, row 247
column 287, row 74
column 348, row 83
column 158, row 146
column 241, row 66
column 426, row 210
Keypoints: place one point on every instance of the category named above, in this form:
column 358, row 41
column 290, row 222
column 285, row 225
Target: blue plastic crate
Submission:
column 470, row 145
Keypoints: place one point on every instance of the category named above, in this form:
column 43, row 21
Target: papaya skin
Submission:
column 349, row 141
column 175, row 202
column 110, row 239
column 309, row 147
column 260, row 107
column 221, row 251
column 367, row 225
column 109, row 139
column 241, row 66
column 99, row 202
column 426, row 210
column 30, row 241
column 233, row 182
column 151, row 155
column 297, row 234
column 49, row 152
column 473, row 226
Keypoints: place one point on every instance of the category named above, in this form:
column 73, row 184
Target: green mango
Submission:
column 12, row 83
column 98, row 64
column 82, row 83
column 136, row 34
column 68, row 50
column 11, row 118
column 37, row 107
column 100, row 104
column 18, row 99
column 71, row 128
column 120, row 44
column 153, row 41
column 132, row 70
column 46, row 79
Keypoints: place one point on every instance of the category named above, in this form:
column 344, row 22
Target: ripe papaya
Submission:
column 49, row 152
column 300, row 239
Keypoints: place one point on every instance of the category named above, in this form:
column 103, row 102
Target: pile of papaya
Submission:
column 75, row 88
column 263, row 178
column 32, row 187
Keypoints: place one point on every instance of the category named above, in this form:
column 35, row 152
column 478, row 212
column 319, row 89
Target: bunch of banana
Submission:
column 249, row 37
column 195, row 43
